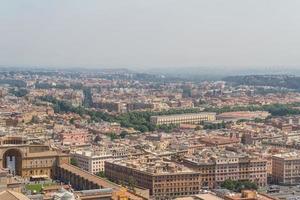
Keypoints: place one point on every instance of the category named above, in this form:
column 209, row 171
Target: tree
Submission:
column 72, row 120
column 101, row 174
column 131, row 183
column 34, row 119
column 74, row 162
column 21, row 92
column 113, row 136
column 238, row 186
column 87, row 101
column 229, row 184
column 123, row 134
column 97, row 139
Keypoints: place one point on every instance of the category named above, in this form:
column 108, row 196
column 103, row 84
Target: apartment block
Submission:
column 90, row 161
column 286, row 168
column 215, row 170
column 164, row 179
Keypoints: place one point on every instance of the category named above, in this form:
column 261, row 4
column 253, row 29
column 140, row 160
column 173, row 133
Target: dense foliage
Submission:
column 238, row 186
column 13, row 82
column 137, row 120
column 21, row 92
column 87, row 102
column 215, row 126
column 44, row 85
column 141, row 120
column 73, row 161
column 291, row 82
column 274, row 109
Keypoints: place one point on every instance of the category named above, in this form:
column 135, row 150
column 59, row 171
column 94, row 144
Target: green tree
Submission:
column 123, row 134
column 74, row 162
column 113, row 136
column 72, row 120
column 238, row 186
column 101, row 174
column 34, row 119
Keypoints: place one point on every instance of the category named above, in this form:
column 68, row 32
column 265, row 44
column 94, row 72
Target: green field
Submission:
column 37, row 187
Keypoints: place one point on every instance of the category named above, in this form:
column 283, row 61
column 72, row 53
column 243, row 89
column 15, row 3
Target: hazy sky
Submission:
column 150, row 33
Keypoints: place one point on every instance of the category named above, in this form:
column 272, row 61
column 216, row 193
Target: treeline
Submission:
column 274, row 109
column 138, row 120
column 45, row 85
column 13, row 82
column 141, row 120
column 20, row 92
column 291, row 82
column 87, row 101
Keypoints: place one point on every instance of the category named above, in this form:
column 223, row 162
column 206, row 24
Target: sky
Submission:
column 150, row 33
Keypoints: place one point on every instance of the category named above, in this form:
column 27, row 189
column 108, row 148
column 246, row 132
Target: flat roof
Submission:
column 186, row 114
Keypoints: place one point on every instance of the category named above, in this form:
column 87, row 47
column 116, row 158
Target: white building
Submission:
column 90, row 161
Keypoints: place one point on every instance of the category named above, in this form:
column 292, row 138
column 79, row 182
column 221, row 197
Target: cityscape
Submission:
column 149, row 100
column 118, row 134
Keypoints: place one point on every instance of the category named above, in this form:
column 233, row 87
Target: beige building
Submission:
column 164, row 179
column 191, row 118
column 215, row 170
column 286, row 168
column 29, row 160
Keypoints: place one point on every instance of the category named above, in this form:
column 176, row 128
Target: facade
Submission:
column 194, row 118
column 164, row 179
column 91, row 162
column 88, row 186
column 286, row 168
column 240, row 115
column 111, row 106
column 248, row 195
column 215, row 170
column 29, row 160
column 73, row 137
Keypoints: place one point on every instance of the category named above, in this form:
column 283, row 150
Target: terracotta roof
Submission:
column 91, row 177
column 97, row 180
column 12, row 195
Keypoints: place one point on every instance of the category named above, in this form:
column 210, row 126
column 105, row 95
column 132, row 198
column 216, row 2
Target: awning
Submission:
column 39, row 176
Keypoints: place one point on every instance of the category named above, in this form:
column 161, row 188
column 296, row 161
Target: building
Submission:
column 248, row 195
column 90, row 186
column 191, row 118
column 32, row 161
column 73, row 137
column 286, row 168
column 90, row 161
column 111, row 106
column 12, row 195
column 139, row 106
column 164, row 179
column 215, row 169
column 218, row 141
column 243, row 115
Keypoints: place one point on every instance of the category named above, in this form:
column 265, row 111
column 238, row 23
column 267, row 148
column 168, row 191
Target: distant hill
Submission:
column 285, row 81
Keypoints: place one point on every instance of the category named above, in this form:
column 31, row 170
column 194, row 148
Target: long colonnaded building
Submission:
column 191, row 118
